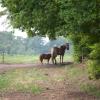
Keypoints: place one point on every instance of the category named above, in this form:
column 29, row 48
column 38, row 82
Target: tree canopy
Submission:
column 54, row 17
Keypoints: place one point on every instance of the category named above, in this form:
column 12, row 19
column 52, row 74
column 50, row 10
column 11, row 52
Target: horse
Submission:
column 45, row 56
column 58, row 51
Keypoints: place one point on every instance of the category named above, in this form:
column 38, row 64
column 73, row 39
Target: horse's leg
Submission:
column 48, row 61
column 42, row 61
column 55, row 60
column 60, row 59
column 52, row 60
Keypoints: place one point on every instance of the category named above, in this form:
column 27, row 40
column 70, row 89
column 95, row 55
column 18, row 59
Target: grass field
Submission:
column 21, row 80
column 27, row 58
column 78, row 77
column 19, row 58
column 32, row 80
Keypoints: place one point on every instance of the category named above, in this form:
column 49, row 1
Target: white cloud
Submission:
column 20, row 33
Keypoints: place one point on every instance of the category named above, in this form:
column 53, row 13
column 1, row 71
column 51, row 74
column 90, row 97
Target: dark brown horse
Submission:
column 59, row 51
column 45, row 56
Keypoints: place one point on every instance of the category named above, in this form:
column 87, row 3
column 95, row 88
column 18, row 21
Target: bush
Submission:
column 95, row 54
column 94, row 62
column 94, row 69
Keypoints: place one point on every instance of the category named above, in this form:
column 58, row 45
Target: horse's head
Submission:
column 67, row 46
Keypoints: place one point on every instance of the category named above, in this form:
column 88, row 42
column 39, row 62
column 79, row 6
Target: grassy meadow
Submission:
column 21, row 80
column 28, row 58
column 19, row 58
column 31, row 80
column 78, row 77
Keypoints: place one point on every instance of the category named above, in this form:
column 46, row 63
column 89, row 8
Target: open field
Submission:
column 48, row 82
column 19, row 58
column 27, row 58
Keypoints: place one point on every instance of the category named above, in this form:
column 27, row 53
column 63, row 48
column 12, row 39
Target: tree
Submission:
column 54, row 17
column 6, row 41
column 77, row 18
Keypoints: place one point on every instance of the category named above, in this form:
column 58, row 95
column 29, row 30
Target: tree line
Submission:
column 11, row 44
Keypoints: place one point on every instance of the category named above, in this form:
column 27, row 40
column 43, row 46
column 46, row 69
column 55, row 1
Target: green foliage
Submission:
column 33, row 16
column 95, row 51
column 94, row 63
column 81, row 46
column 54, row 17
column 94, row 69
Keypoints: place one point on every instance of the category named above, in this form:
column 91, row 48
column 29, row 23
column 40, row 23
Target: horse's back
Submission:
column 45, row 56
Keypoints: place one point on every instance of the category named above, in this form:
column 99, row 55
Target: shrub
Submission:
column 94, row 62
column 94, row 69
column 95, row 54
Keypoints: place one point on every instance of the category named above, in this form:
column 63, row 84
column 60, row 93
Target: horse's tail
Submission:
column 41, row 58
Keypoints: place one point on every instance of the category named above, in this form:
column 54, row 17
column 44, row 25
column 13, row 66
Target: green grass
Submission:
column 28, row 58
column 73, row 72
column 68, row 58
column 32, row 80
column 78, row 77
column 28, row 88
column 20, row 58
column 24, row 80
column 91, row 89
column 4, row 83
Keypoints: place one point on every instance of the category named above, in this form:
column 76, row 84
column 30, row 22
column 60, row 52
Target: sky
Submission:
column 4, row 26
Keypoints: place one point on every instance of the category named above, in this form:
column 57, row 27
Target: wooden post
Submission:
column 82, row 55
column 3, row 57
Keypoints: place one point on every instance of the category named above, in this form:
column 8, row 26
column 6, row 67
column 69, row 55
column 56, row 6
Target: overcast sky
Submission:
column 4, row 26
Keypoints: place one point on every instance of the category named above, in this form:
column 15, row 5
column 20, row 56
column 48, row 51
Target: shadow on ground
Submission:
column 58, row 64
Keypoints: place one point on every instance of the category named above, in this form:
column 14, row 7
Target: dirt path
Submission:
column 6, row 67
column 61, row 90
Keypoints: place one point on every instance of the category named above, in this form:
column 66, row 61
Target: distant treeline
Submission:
column 11, row 44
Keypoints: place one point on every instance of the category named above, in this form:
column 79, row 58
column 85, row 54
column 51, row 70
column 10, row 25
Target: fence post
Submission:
column 3, row 57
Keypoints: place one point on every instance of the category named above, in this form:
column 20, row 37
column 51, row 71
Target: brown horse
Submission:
column 59, row 51
column 45, row 56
